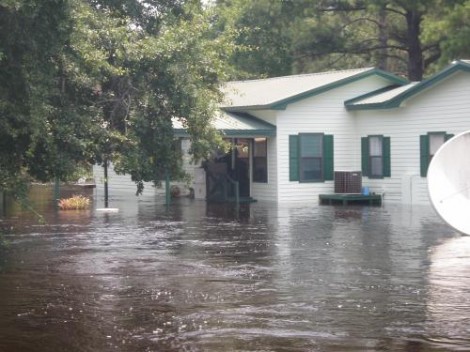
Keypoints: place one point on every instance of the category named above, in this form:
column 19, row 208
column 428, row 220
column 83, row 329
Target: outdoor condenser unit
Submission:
column 348, row 181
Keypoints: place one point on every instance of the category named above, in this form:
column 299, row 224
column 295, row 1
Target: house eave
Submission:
column 245, row 108
column 254, row 133
column 375, row 106
column 249, row 126
column 249, row 133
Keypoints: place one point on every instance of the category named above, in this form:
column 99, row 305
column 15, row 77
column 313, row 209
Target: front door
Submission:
column 241, row 165
column 236, row 164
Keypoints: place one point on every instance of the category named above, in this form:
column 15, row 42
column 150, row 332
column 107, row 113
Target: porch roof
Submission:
column 233, row 124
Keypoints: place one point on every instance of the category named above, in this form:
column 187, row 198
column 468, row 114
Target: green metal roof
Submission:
column 394, row 98
column 233, row 125
column 378, row 97
column 278, row 92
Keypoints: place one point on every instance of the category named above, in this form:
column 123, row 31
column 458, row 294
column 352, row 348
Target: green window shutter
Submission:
column 293, row 158
column 386, row 157
column 448, row 136
column 424, row 154
column 328, row 158
column 365, row 156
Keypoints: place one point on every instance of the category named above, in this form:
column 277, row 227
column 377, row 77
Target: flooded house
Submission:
column 291, row 134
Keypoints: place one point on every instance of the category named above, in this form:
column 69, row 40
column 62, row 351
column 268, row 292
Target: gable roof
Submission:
column 394, row 98
column 233, row 125
column 377, row 97
column 278, row 92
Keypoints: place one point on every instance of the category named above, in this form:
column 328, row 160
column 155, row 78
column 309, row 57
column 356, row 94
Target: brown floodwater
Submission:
column 199, row 277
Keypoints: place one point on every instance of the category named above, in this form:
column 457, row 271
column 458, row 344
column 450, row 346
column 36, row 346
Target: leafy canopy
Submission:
column 87, row 81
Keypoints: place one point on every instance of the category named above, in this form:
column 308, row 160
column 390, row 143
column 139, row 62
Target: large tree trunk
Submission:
column 415, row 51
column 383, row 40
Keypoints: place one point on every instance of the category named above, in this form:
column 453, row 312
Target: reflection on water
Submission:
column 197, row 277
column 449, row 290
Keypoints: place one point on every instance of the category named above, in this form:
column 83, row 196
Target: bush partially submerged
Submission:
column 74, row 203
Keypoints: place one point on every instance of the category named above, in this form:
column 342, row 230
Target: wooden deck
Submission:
column 347, row 198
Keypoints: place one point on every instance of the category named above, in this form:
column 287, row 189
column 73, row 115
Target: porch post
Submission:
column 233, row 151
column 237, row 193
column 105, row 171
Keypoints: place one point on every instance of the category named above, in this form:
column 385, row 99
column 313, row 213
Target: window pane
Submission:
column 311, row 169
column 375, row 146
column 376, row 166
column 242, row 148
column 260, row 160
column 259, row 147
column 311, row 146
column 260, row 169
column 435, row 142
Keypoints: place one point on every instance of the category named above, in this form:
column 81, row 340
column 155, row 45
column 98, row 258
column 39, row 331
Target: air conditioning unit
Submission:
column 348, row 181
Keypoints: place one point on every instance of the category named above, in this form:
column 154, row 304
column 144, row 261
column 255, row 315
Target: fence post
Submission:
column 56, row 191
column 167, row 188
column 105, row 171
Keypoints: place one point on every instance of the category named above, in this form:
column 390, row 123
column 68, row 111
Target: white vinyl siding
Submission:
column 324, row 113
column 444, row 107
column 121, row 190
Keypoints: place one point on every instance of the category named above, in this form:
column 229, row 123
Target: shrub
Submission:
column 74, row 203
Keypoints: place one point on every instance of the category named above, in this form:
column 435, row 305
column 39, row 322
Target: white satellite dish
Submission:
column 449, row 182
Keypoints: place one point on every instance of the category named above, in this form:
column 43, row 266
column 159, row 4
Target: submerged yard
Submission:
column 197, row 277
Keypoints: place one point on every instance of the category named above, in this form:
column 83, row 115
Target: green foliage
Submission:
column 175, row 74
column 352, row 33
column 317, row 35
column 451, row 28
column 26, row 75
column 87, row 81
column 47, row 116
column 262, row 34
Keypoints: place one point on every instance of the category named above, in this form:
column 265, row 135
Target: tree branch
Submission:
column 365, row 19
column 391, row 9
column 433, row 58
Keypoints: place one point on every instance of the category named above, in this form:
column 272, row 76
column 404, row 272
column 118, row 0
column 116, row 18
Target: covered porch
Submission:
column 228, row 176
